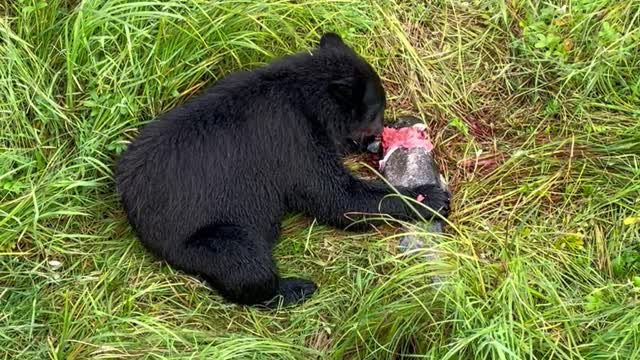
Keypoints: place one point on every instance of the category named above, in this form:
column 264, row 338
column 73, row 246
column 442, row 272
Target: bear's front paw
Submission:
column 434, row 198
column 292, row 291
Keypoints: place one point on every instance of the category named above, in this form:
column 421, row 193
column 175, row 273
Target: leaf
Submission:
column 553, row 40
column 594, row 301
column 628, row 262
column 570, row 241
column 91, row 104
column 525, row 232
column 460, row 125
column 542, row 42
column 588, row 190
column 631, row 220
column 608, row 33
column 41, row 162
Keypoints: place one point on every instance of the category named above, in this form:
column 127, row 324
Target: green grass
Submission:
column 535, row 112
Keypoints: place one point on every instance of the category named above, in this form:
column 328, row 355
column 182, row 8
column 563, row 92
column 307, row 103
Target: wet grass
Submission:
column 535, row 112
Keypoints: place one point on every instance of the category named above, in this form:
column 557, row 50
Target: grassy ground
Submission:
column 535, row 111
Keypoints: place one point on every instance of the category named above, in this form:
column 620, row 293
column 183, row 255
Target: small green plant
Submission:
column 627, row 264
column 595, row 301
column 607, row 34
column 459, row 125
column 31, row 6
column 11, row 185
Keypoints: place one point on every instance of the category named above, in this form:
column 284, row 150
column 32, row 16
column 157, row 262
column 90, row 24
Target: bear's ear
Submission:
column 344, row 91
column 331, row 40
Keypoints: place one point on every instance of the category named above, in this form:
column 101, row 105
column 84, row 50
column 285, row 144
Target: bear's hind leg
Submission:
column 238, row 263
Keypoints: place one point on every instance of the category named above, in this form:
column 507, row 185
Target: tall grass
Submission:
column 534, row 108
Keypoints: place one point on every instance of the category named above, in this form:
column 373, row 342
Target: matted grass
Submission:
column 535, row 112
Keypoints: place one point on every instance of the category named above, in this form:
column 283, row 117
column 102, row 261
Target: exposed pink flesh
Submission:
column 407, row 137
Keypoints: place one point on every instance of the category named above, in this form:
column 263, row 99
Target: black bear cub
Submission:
column 206, row 184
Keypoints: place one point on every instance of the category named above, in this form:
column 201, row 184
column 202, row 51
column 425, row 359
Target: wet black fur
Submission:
column 205, row 185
